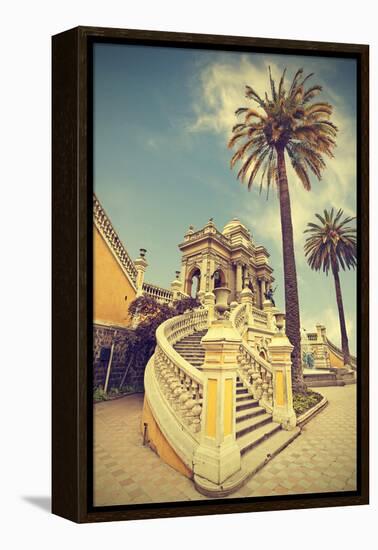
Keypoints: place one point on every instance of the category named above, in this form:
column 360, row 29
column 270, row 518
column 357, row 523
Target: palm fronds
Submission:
column 289, row 120
column 332, row 244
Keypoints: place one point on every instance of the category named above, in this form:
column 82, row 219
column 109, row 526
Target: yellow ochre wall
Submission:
column 110, row 286
column 159, row 443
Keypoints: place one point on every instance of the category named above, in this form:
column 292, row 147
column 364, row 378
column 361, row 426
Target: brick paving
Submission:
column 321, row 459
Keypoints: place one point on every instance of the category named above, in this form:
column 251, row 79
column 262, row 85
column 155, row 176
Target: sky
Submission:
column 162, row 119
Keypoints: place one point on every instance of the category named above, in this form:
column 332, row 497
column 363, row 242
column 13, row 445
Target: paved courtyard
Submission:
column 321, row 459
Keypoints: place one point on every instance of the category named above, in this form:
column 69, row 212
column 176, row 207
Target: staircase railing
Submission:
column 339, row 354
column 255, row 372
column 174, row 388
column 260, row 317
column 160, row 294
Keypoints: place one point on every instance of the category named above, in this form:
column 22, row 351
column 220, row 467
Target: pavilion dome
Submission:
column 235, row 223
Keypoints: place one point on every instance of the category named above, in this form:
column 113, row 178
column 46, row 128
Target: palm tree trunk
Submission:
column 290, row 275
column 340, row 307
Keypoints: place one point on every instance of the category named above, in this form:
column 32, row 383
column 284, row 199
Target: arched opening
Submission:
column 193, row 283
column 219, row 278
column 262, row 354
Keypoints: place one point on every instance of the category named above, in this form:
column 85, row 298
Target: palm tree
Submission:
column 287, row 122
column 332, row 245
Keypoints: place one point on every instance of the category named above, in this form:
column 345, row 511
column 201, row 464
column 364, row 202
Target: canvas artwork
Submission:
column 224, row 274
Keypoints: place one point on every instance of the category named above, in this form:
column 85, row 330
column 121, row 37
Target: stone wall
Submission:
column 103, row 339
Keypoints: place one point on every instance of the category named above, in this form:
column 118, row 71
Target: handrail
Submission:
column 174, row 385
column 176, row 328
column 260, row 316
column 239, row 318
column 107, row 230
column 158, row 292
column 338, row 352
column 256, row 373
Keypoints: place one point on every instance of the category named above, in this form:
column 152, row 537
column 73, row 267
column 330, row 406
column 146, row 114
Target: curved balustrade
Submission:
column 160, row 294
column 239, row 318
column 338, row 352
column 107, row 230
column 255, row 372
column 174, row 388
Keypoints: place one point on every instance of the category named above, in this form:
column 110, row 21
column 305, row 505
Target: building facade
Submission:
column 230, row 258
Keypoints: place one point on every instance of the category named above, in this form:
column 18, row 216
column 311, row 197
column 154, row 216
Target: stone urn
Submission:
column 279, row 320
column 221, row 300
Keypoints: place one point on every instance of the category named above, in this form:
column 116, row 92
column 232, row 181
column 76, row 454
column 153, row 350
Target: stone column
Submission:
column 202, row 287
column 176, row 287
column 321, row 333
column 263, row 290
column 218, row 455
column 140, row 264
column 239, row 280
column 209, row 303
column 280, row 353
column 210, row 285
column 270, row 310
column 246, row 297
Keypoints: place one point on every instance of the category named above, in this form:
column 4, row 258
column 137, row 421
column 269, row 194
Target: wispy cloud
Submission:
column 221, row 92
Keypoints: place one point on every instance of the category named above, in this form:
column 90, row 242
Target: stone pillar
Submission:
column 210, row 285
column 321, row 333
column 270, row 310
column 239, row 280
column 176, row 287
column 280, row 354
column 218, row 455
column 246, row 297
column 263, row 290
column 209, row 303
column 140, row 264
column 202, row 287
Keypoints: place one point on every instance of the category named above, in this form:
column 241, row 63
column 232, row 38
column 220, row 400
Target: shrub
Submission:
column 99, row 394
column 302, row 402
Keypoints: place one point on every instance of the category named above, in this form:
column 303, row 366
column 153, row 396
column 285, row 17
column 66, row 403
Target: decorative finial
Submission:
column 142, row 252
column 177, row 274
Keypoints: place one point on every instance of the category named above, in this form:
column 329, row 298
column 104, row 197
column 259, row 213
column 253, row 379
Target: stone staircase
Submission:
column 191, row 350
column 253, row 423
column 255, row 429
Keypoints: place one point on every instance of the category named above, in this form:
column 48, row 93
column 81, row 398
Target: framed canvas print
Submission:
column 210, row 274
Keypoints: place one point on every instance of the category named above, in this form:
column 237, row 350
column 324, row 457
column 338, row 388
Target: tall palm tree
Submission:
column 333, row 245
column 286, row 122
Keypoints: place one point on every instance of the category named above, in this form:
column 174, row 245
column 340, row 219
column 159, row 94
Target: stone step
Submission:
column 252, row 439
column 252, row 424
column 189, row 350
column 195, row 357
column 241, row 390
column 240, row 398
column 251, row 413
column 246, row 406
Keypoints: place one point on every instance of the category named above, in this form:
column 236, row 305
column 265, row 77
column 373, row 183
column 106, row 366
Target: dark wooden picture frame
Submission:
column 72, row 260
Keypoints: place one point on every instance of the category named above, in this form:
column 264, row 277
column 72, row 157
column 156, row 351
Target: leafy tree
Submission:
column 332, row 245
column 288, row 124
column 149, row 315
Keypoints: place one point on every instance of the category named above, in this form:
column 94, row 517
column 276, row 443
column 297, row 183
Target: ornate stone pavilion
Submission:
column 230, row 258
